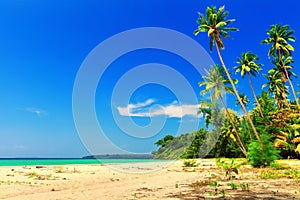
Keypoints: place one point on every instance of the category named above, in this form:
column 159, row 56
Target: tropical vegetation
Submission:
column 264, row 133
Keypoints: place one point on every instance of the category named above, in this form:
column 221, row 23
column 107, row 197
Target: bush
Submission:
column 190, row 163
column 262, row 158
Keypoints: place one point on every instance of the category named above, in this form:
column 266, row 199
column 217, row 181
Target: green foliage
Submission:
column 201, row 183
column 39, row 176
column 259, row 157
column 222, row 192
column 233, row 186
column 287, row 132
column 274, row 174
column 215, row 184
column 176, row 148
column 229, row 168
column 244, row 186
column 190, row 163
column 193, row 149
column 164, row 141
column 215, row 23
column 279, row 166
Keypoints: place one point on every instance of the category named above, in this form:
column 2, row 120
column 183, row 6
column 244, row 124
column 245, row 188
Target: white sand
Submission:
column 145, row 181
column 116, row 181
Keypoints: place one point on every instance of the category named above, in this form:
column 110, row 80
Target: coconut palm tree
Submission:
column 284, row 62
column 247, row 65
column 215, row 82
column 216, row 25
column 244, row 99
column 279, row 37
column 276, row 87
column 206, row 110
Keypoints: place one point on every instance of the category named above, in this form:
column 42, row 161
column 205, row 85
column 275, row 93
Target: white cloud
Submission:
column 149, row 109
column 18, row 146
column 36, row 111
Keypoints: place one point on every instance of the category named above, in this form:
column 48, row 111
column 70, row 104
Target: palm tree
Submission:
column 244, row 99
column 206, row 110
column 276, row 87
column 227, row 128
column 215, row 82
column 247, row 65
column 285, row 62
column 216, row 24
column 279, row 35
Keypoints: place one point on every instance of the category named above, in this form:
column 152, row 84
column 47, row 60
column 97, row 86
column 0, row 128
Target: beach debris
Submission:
column 10, row 175
column 25, row 167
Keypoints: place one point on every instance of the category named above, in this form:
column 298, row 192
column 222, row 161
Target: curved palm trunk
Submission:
column 238, row 97
column 253, row 92
column 292, row 87
column 288, row 77
column 241, row 146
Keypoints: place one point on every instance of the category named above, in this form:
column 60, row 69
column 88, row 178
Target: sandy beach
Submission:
column 136, row 181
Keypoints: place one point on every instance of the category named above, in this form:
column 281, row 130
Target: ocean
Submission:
column 65, row 161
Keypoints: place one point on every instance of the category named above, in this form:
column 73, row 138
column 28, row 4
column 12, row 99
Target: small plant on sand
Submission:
column 39, row 176
column 232, row 185
column 215, row 184
column 190, row 163
column 222, row 192
column 244, row 186
column 59, row 170
column 32, row 174
column 202, row 183
column 229, row 168
column 216, row 190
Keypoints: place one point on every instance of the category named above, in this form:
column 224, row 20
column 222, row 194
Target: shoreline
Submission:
column 70, row 161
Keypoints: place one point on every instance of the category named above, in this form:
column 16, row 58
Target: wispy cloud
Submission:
column 37, row 111
column 18, row 146
column 150, row 109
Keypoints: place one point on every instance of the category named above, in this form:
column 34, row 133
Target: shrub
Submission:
column 262, row 158
column 190, row 163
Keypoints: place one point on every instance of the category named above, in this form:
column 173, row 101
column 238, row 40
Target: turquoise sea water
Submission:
column 28, row 162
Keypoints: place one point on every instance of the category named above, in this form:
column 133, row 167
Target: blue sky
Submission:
column 44, row 43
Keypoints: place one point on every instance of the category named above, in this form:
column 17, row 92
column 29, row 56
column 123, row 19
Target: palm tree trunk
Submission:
column 241, row 146
column 288, row 77
column 238, row 97
column 253, row 92
column 292, row 87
